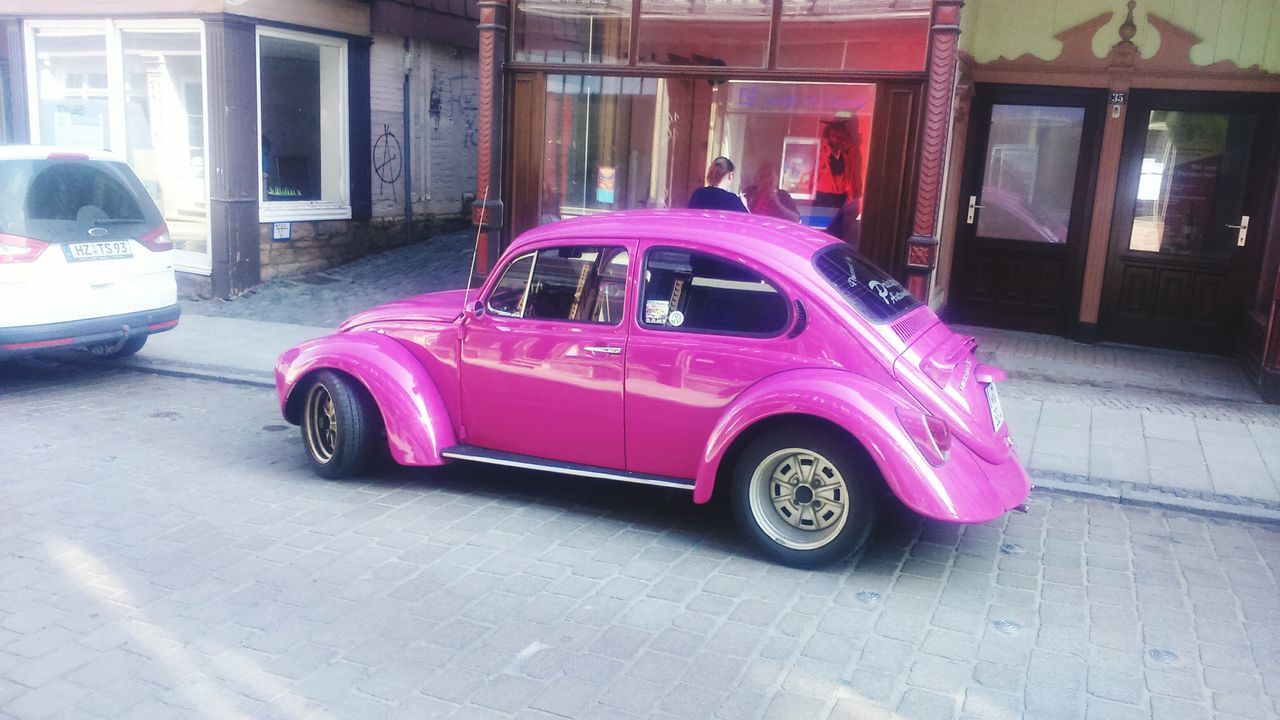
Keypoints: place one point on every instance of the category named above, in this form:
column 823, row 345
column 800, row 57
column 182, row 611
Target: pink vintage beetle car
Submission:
column 692, row 350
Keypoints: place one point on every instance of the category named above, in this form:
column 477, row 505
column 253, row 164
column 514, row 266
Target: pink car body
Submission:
column 630, row 401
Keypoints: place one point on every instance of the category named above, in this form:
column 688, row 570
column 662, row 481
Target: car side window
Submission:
column 698, row 292
column 578, row 284
column 509, row 295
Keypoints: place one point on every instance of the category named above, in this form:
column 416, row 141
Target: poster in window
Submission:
column 606, row 180
column 799, row 162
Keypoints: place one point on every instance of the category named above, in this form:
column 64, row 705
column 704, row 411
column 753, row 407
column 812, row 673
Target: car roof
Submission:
column 40, row 152
column 733, row 232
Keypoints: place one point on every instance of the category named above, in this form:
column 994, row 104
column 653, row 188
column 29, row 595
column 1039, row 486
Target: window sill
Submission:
column 302, row 210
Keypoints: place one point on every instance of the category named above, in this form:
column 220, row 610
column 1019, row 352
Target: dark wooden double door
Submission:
column 1191, row 187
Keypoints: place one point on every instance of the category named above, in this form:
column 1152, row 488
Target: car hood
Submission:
column 941, row 370
column 444, row 307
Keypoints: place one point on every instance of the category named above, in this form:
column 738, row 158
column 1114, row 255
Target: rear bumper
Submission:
column 79, row 333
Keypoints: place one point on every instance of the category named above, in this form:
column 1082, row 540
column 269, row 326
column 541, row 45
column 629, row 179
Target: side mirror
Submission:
column 476, row 309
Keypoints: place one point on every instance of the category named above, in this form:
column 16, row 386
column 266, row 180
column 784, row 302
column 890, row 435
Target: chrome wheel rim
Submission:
column 799, row 499
column 322, row 424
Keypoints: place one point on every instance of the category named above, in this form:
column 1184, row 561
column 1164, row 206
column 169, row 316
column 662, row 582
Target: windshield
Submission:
column 870, row 290
column 59, row 200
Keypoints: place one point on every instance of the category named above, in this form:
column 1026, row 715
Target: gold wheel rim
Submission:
column 321, row 424
column 799, row 499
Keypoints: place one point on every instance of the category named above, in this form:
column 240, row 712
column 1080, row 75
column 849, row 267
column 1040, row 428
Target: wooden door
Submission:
column 1189, row 225
column 1024, row 211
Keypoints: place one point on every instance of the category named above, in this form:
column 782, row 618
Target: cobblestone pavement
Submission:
column 165, row 553
column 328, row 297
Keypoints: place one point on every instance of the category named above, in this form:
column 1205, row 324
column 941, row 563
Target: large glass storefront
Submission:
column 615, row 143
column 135, row 88
column 626, row 103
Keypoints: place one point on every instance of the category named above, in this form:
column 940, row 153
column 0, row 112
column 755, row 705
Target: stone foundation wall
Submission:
column 316, row 245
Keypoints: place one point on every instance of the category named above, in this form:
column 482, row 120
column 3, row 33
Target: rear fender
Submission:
column 862, row 407
column 418, row 424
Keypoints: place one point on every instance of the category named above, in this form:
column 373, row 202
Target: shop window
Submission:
column 135, row 88
column 164, row 128
column 707, row 33
column 580, row 32
column 72, row 97
column 854, row 35
column 302, row 101
column 800, row 149
column 696, row 292
column 608, row 143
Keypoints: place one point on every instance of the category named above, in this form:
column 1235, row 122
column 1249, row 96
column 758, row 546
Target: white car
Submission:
column 85, row 255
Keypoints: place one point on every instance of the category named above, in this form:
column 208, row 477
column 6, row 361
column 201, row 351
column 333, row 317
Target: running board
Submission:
column 528, row 462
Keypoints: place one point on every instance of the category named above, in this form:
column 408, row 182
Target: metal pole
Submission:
column 407, row 149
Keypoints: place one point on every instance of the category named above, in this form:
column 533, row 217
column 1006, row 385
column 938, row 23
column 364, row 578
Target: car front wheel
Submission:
column 339, row 425
column 804, row 496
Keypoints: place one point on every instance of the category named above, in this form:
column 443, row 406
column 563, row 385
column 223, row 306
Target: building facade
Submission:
column 273, row 135
column 1102, row 170
column 605, row 105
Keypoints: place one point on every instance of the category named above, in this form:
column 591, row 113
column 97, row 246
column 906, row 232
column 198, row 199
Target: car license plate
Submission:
column 997, row 412
column 106, row 250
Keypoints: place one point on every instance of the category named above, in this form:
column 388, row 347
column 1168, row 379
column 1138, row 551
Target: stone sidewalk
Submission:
column 1136, row 424
column 1130, row 424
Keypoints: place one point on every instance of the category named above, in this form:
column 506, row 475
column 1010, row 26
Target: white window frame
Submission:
column 183, row 260
column 288, row 210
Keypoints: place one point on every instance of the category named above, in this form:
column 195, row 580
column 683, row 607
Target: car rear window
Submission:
column 871, row 291
column 59, row 200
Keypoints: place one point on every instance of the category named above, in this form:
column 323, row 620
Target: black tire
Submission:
column 109, row 351
column 340, row 425
column 838, row 502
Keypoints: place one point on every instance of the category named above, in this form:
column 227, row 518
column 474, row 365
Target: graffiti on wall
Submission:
column 388, row 161
column 453, row 96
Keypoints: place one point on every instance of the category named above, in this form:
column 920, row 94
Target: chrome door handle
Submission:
column 1242, row 230
column 973, row 205
column 606, row 349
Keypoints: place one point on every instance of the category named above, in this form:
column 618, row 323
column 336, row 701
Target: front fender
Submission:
column 959, row 491
column 417, row 422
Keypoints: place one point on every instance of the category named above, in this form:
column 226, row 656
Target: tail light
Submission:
column 930, row 434
column 17, row 249
column 157, row 239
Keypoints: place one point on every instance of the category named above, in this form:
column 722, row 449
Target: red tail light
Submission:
column 930, row 434
column 157, row 239
column 16, row 249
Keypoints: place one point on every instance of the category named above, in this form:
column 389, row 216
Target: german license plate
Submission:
column 997, row 412
column 105, row 250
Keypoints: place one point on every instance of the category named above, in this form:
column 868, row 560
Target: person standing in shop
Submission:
column 716, row 196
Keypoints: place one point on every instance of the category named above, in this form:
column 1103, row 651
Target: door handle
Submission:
column 605, row 349
column 973, row 205
column 1242, row 230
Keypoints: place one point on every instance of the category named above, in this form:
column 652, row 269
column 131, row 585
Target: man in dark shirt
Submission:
column 714, row 196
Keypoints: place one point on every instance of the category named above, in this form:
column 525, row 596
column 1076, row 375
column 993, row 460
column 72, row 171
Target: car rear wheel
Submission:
column 125, row 349
column 804, row 496
column 340, row 425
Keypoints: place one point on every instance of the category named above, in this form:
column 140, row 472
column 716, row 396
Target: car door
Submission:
column 706, row 328
column 542, row 364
